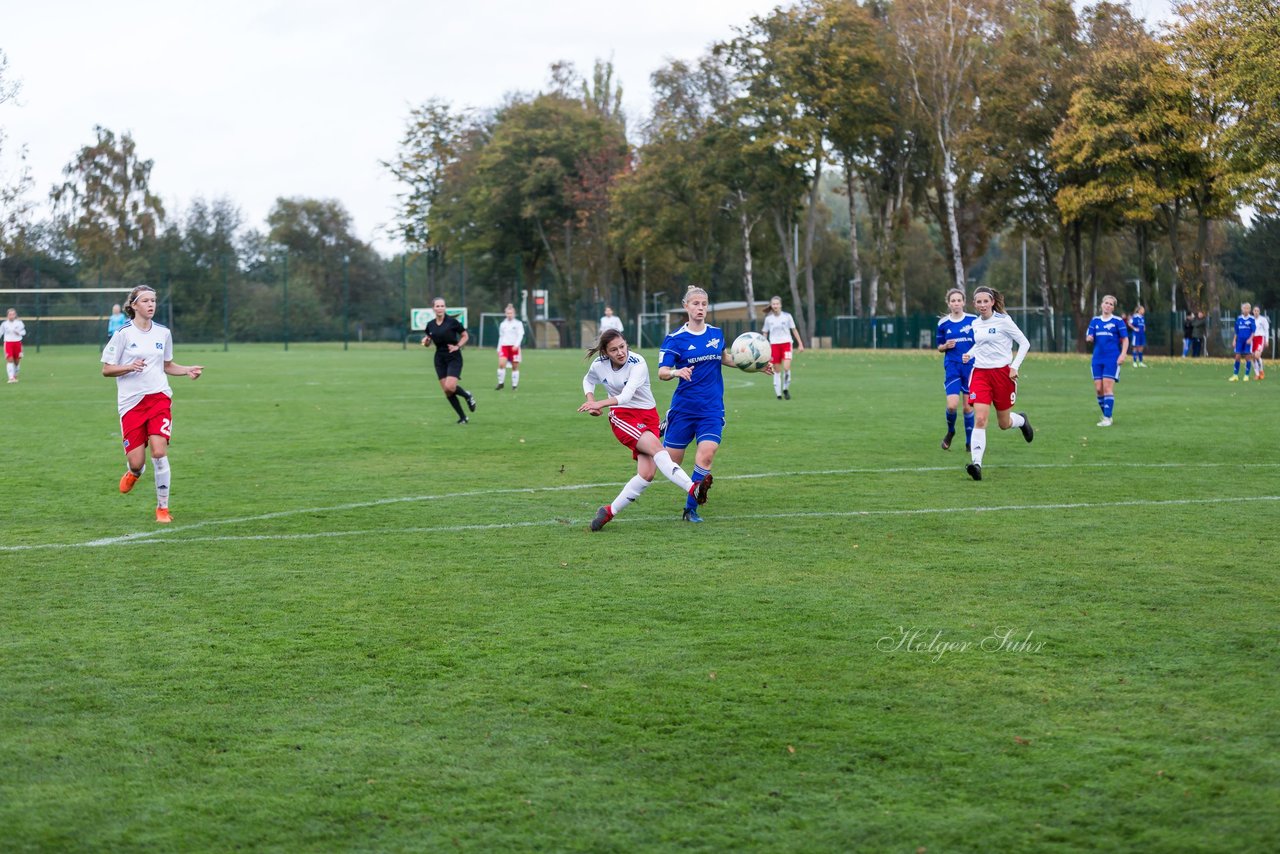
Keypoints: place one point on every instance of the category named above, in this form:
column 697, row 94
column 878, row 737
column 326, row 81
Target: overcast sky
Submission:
column 256, row 99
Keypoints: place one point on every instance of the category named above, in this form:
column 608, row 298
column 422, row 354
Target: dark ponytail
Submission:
column 606, row 338
column 997, row 299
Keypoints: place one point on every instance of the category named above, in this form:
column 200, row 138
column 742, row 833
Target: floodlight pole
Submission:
column 226, row 306
column 285, row 282
column 346, row 300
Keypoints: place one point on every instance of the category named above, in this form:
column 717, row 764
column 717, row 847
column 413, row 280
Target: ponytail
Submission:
column 606, row 338
column 997, row 299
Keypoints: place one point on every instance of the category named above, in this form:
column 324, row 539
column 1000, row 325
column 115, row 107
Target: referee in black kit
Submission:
column 450, row 337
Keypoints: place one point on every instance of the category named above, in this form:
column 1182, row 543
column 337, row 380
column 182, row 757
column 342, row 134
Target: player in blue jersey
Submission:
column 694, row 354
column 954, row 338
column 1110, row 339
column 1138, row 336
column 1245, row 327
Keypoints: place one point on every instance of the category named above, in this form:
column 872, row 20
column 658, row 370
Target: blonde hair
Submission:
column 694, row 289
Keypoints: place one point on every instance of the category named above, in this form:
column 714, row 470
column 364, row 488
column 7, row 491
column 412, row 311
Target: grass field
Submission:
column 372, row 629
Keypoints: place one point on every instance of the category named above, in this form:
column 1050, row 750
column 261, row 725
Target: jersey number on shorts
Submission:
column 165, row 427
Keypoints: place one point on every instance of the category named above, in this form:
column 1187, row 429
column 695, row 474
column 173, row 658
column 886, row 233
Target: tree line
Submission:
column 859, row 158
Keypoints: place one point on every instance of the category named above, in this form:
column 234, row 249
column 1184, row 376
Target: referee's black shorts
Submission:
column 448, row 364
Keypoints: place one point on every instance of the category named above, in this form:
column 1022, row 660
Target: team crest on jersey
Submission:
column 159, row 345
column 713, row 343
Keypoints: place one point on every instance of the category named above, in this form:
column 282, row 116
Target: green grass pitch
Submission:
column 372, row 629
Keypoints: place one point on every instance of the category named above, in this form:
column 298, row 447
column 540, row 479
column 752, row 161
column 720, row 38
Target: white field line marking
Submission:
column 531, row 490
column 158, row 536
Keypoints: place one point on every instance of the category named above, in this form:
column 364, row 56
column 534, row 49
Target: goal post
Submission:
column 63, row 315
column 651, row 329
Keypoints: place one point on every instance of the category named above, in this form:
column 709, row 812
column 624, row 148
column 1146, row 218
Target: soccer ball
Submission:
column 751, row 352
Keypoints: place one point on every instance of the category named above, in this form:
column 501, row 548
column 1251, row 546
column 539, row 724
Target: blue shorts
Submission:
column 1106, row 370
column 683, row 428
column 1138, row 339
column 1245, row 347
column 957, row 378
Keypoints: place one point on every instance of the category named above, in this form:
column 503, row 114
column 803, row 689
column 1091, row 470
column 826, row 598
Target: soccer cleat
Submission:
column 499, row 386
column 1246, row 379
column 515, row 388
column 162, row 515
column 779, row 396
column 1233, row 379
column 786, row 393
column 464, row 420
column 946, row 440
column 1105, row 422
column 690, row 515
column 974, row 470
column 127, row 482
column 1028, row 432
column 471, row 402
column 603, row 515
column 702, row 486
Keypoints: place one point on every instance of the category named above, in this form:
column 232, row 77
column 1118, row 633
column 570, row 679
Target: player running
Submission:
column 13, row 331
column 779, row 327
column 995, row 372
column 1109, row 336
column 1245, row 328
column 694, row 354
column 1138, row 338
column 634, row 417
column 954, row 338
column 449, row 337
column 140, row 356
column 510, row 336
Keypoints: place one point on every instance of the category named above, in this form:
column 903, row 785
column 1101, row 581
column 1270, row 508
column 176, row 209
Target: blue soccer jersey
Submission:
column 704, row 393
column 959, row 331
column 1245, row 327
column 1139, row 324
column 1107, row 337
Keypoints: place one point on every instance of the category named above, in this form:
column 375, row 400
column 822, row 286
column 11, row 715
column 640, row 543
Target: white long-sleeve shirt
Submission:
column 510, row 333
column 13, row 330
column 993, row 341
column 629, row 384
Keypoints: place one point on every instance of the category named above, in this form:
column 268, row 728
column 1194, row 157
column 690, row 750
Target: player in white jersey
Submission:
column 634, row 418
column 610, row 320
column 13, row 331
column 510, row 337
column 1261, row 335
column 780, row 327
column 140, row 358
column 995, row 373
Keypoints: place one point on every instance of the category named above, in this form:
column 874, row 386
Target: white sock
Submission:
column 9, row 366
column 777, row 382
column 786, row 379
column 1016, row 420
column 672, row 471
column 515, row 377
column 978, row 443
column 161, row 467
column 629, row 493
column 502, row 375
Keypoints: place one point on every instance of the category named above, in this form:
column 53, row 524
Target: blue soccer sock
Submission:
column 699, row 475
column 1108, row 405
column 1236, row 370
column 1248, row 363
column 968, row 428
column 1102, row 404
column 1142, row 356
column 951, row 421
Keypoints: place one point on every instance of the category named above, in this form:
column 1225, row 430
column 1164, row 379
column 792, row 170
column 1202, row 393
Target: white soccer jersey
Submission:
column 155, row 347
column 611, row 321
column 777, row 327
column 13, row 329
column 1263, row 327
column 510, row 333
column 629, row 384
column 993, row 342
